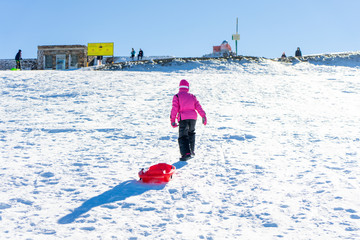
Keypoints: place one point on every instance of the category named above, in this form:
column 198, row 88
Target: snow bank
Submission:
column 168, row 64
column 347, row 59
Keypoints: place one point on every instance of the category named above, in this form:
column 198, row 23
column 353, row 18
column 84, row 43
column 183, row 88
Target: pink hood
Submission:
column 184, row 85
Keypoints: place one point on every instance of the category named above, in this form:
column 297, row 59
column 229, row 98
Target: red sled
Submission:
column 158, row 173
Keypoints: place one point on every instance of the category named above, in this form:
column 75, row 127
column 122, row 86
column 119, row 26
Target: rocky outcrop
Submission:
column 26, row 64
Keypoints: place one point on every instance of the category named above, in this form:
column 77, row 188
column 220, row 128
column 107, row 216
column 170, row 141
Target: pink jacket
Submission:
column 185, row 105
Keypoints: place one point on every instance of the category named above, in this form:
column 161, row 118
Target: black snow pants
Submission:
column 187, row 136
column 18, row 64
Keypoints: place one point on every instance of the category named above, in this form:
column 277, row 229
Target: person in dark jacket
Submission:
column 141, row 54
column 132, row 54
column 17, row 60
column 283, row 55
column 298, row 53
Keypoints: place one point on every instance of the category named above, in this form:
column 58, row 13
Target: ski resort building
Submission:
column 224, row 50
column 61, row 57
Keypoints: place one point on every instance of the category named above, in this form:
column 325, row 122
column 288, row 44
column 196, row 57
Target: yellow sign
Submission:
column 236, row 37
column 100, row 49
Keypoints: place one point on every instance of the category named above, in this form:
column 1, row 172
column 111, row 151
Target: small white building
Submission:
column 61, row 57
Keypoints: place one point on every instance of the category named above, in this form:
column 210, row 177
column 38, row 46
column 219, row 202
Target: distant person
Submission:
column 99, row 60
column 141, row 54
column 283, row 55
column 298, row 52
column 18, row 60
column 132, row 54
column 185, row 108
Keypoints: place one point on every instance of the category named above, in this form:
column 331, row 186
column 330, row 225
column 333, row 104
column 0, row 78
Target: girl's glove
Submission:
column 204, row 121
column 174, row 125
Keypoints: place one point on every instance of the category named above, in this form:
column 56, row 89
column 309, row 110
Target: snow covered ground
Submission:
column 279, row 158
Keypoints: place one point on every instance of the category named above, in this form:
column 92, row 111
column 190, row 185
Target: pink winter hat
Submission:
column 184, row 84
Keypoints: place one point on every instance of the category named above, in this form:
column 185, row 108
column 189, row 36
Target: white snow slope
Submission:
column 279, row 158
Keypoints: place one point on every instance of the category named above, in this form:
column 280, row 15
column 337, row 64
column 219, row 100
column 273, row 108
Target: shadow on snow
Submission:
column 120, row 192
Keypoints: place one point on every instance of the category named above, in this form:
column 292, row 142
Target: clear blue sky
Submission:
column 187, row 28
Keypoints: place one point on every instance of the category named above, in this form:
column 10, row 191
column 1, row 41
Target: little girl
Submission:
column 185, row 107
